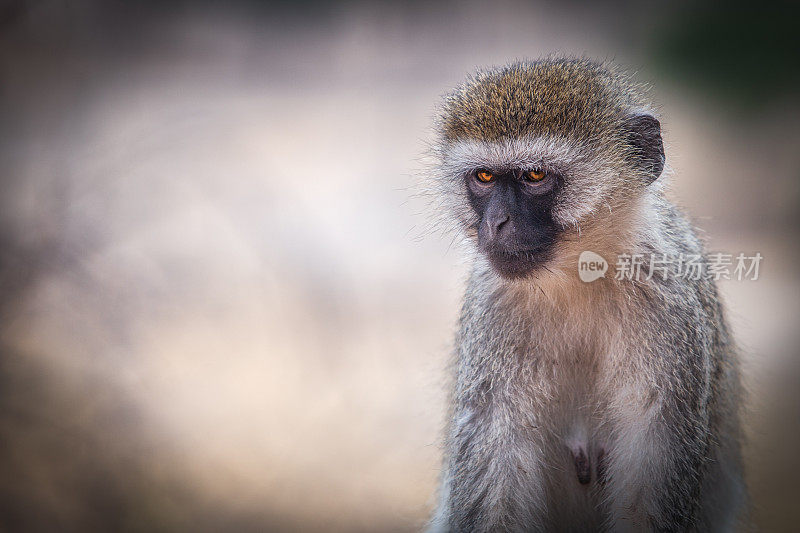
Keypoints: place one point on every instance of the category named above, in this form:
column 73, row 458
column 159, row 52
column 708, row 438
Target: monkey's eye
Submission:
column 535, row 175
column 485, row 176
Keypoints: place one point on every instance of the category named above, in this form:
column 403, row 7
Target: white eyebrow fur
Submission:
column 466, row 155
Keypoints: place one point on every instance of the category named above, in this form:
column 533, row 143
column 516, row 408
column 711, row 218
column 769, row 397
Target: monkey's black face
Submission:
column 516, row 229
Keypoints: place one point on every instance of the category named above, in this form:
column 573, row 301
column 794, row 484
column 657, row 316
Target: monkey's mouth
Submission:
column 515, row 264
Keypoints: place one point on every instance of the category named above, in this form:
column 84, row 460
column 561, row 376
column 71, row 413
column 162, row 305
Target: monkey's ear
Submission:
column 643, row 132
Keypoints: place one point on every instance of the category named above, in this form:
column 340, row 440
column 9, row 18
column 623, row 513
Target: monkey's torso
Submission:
column 580, row 407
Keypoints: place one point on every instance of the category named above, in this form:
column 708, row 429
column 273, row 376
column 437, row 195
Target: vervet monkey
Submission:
column 579, row 406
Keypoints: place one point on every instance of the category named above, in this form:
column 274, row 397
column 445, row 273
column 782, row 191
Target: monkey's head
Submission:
column 532, row 153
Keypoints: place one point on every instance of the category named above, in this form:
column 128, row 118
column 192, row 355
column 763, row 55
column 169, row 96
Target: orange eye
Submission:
column 535, row 175
column 485, row 176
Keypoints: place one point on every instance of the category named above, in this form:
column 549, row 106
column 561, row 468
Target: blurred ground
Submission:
column 221, row 308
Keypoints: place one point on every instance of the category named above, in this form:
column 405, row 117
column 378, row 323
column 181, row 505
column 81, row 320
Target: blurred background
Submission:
column 220, row 303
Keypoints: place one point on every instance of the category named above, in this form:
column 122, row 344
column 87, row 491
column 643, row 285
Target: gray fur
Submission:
column 640, row 378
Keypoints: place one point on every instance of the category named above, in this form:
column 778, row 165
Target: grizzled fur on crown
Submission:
column 578, row 99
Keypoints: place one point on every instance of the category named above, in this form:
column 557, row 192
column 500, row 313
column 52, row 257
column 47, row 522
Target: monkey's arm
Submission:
column 663, row 432
column 492, row 478
column 493, row 459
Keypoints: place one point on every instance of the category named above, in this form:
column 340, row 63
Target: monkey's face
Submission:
column 521, row 201
column 528, row 202
column 532, row 155
column 516, row 229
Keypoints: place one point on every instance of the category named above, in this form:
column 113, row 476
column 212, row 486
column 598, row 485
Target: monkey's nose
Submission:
column 495, row 223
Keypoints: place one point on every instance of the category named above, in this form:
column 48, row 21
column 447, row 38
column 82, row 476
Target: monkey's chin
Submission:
column 517, row 265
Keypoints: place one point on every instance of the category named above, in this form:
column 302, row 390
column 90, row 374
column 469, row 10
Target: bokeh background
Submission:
column 221, row 304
